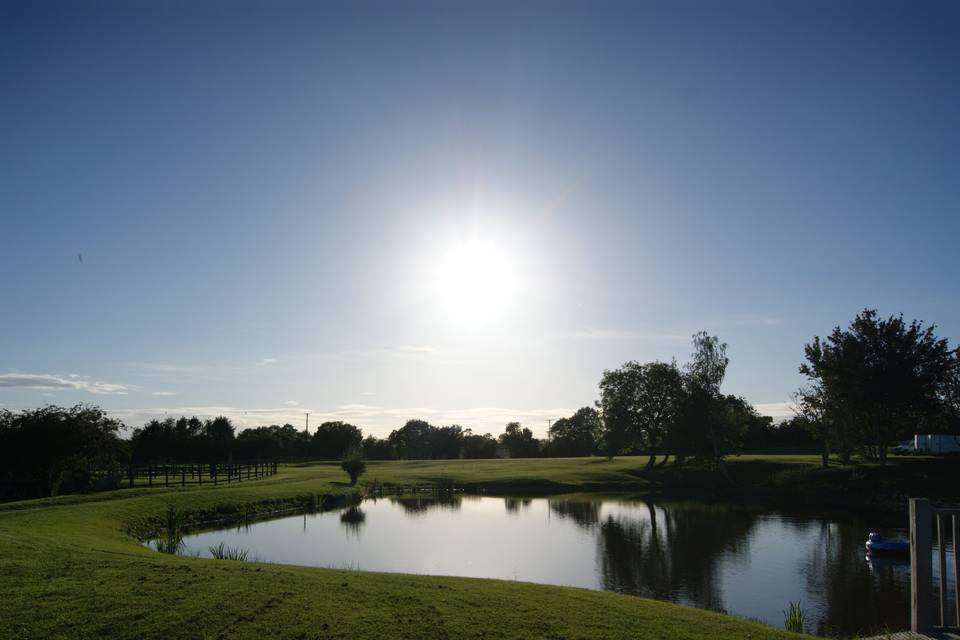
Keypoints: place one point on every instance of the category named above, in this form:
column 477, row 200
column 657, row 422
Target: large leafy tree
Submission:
column 478, row 446
column 414, row 440
column 335, row 439
column 577, row 435
column 40, row 446
column 882, row 379
column 641, row 404
column 220, row 435
column 519, row 441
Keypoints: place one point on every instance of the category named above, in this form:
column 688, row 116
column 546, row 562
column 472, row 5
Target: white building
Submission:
column 936, row 443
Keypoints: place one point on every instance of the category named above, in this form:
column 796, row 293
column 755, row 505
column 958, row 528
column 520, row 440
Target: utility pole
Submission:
column 549, row 423
column 307, row 428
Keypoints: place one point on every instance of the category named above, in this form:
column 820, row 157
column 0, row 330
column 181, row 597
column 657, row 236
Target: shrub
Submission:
column 354, row 465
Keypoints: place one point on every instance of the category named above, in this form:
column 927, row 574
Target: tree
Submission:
column 478, row 446
column 335, row 439
column 577, row 435
column 273, row 441
column 354, row 464
column 641, row 403
column 445, row 442
column 706, row 424
column 40, row 446
column 220, row 437
column 881, row 379
column 519, row 441
column 412, row 440
column 378, row 449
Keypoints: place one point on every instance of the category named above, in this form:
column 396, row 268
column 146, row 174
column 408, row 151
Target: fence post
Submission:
column 942, row 557
column 183, row 476
column 921, row 566
column 130, row 474
column 200, row 475
column 956, row 567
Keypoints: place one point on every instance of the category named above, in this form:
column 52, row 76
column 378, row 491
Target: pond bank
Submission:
column 69, row 568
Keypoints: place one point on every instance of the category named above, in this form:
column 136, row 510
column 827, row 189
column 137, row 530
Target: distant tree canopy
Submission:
column 519, row 441
column 335, row 439
column 578, row 435
column 877, row 381
column 478, row 446
column 272, row 442
column 183, row 440
column 41, row 448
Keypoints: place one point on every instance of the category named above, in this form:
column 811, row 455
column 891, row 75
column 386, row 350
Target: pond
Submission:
column 743, row 561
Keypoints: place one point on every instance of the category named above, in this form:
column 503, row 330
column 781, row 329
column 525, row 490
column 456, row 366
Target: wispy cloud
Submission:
column 181, row 372
column 47, row 382
column 620, row 334
column 390, row 353
column 163, row 393
column 776, row 410
column 758, row 320
column 292, row 403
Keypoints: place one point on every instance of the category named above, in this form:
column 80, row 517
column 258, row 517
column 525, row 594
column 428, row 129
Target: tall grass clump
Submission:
column 794, row 618
column 171, row 535
column 354, row 464
column 223, row 552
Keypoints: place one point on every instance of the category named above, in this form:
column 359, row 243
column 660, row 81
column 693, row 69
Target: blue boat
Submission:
column 876, row 543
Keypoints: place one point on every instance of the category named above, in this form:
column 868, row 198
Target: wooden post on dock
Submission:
column 956, row 567
column 921, row 566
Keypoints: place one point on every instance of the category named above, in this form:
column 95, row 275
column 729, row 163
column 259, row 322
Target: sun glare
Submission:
column 475, row 282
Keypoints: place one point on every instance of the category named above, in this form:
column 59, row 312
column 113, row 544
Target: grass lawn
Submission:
column 69, row 569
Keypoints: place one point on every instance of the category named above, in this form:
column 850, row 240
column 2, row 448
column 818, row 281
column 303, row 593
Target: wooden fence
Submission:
column 182, row 474
column 922, row 517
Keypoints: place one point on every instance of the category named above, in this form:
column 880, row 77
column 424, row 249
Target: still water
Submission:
column 746, row 562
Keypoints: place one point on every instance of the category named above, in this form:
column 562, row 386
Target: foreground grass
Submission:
column 69, row 567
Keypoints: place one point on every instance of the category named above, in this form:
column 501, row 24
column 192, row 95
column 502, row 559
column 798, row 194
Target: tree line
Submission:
column 869, row 385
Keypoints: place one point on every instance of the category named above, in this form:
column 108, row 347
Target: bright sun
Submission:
column 475, row 282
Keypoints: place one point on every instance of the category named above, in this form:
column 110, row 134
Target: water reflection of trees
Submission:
column 353, row 519
column 677, row 552
column 585, row 513
column 419, row 505
column 673, row 553
column 858, row 596
column 513, row 505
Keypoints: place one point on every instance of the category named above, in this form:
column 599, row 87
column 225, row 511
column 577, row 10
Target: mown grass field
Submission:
column 70, row 569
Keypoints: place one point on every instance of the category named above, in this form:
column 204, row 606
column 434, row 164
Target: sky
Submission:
column 463, row 212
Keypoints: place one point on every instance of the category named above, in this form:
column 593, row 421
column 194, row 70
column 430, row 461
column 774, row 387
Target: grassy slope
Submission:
column 67, row 569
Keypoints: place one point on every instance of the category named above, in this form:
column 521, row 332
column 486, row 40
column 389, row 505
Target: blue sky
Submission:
column 459, row 211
